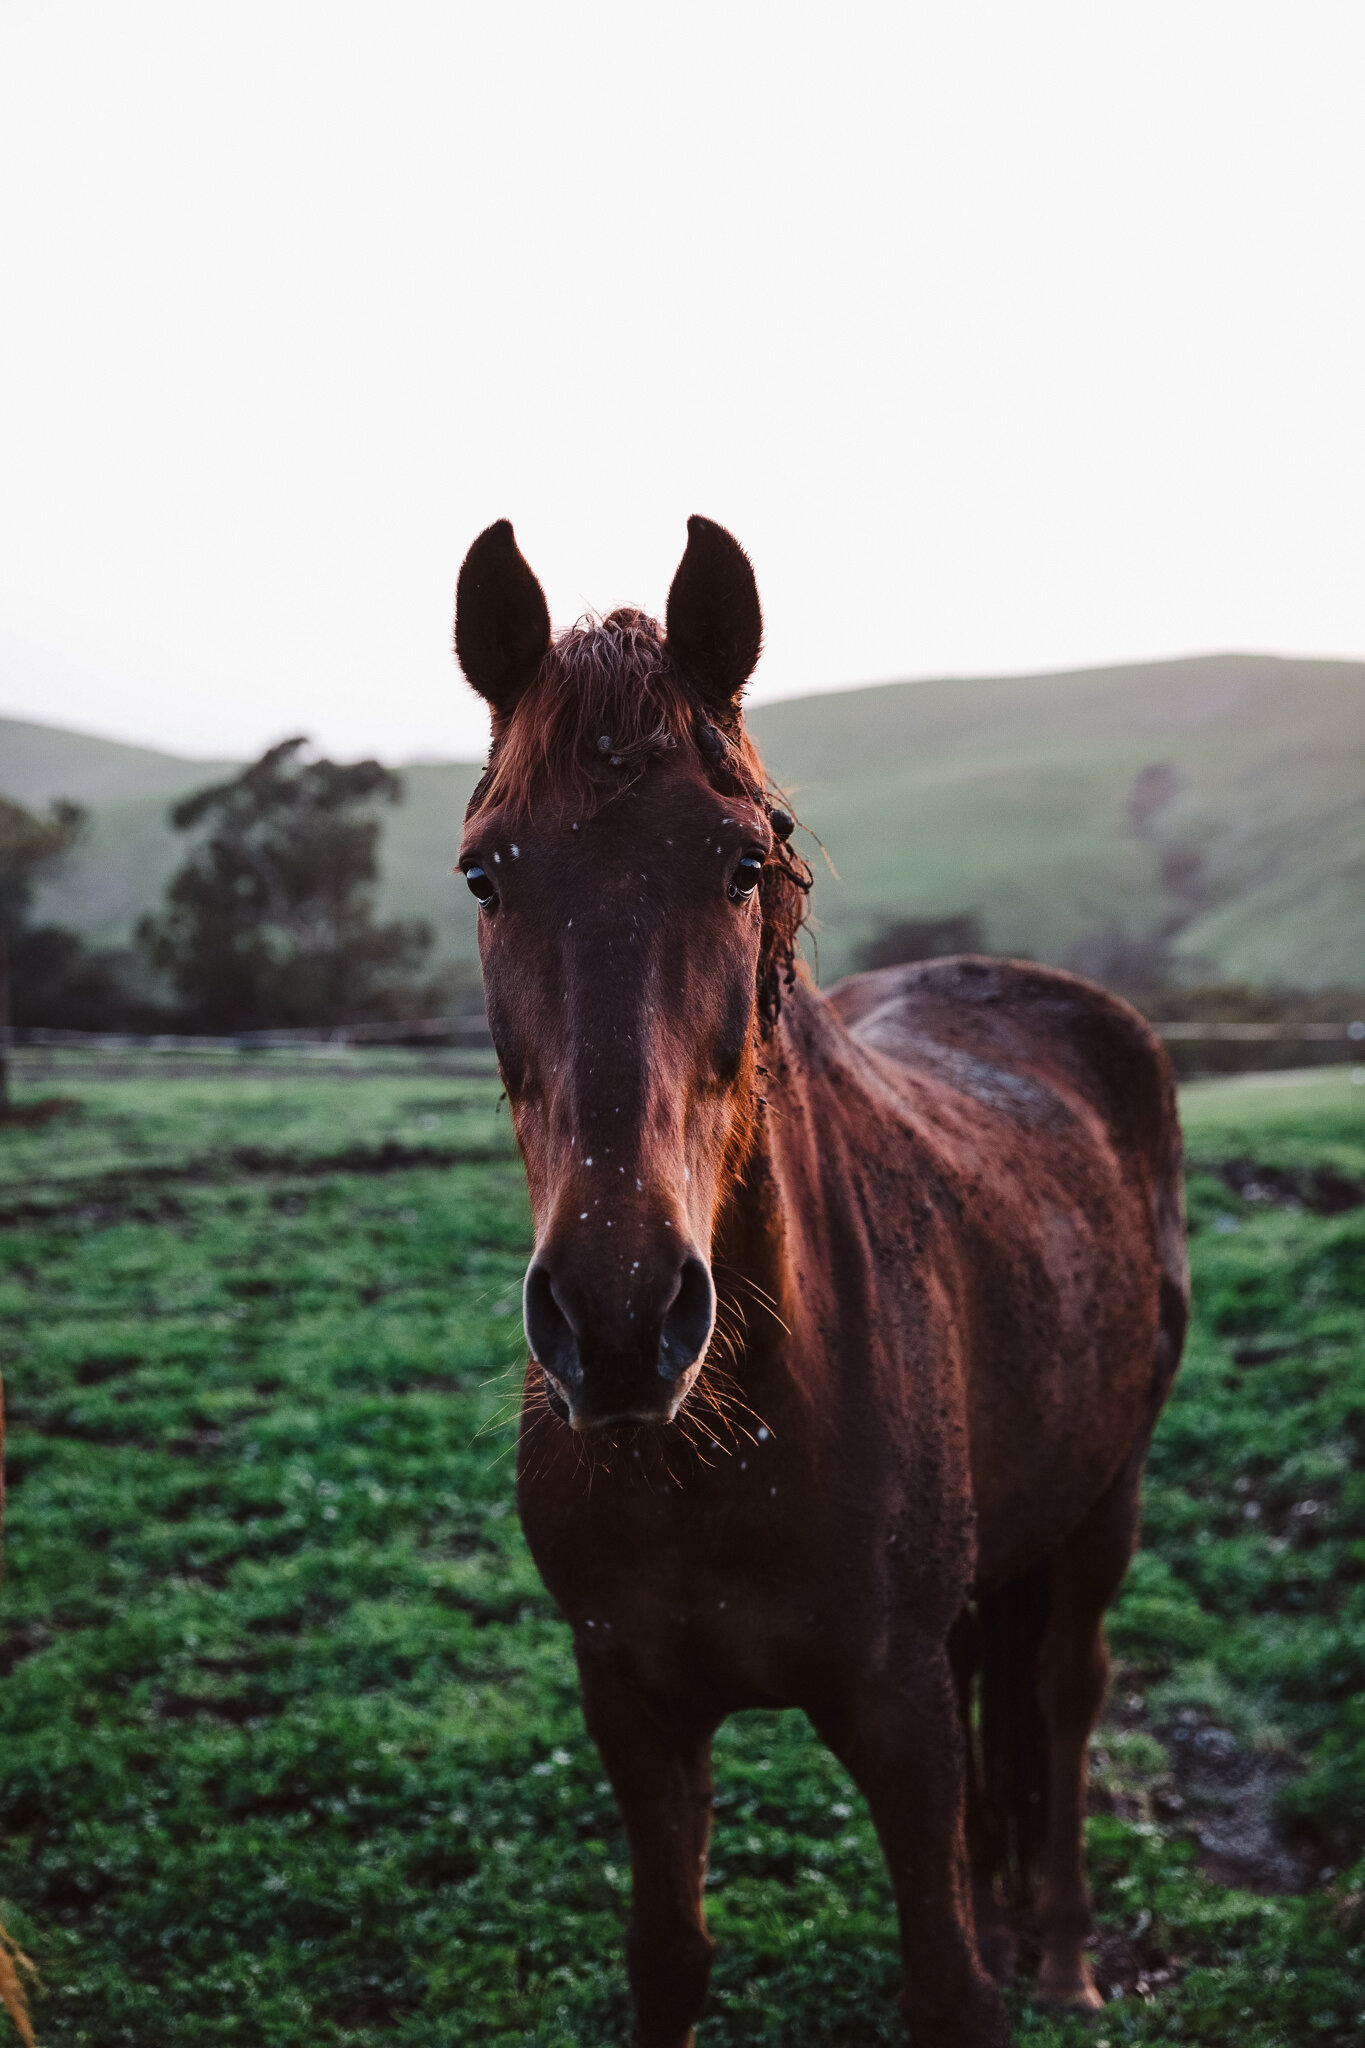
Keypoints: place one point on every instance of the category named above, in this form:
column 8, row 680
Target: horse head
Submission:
column 639, row 906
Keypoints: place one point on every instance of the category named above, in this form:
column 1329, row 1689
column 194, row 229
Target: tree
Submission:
column 270, row 922
column 921, row 938
column 29, row 845
column 59, row 980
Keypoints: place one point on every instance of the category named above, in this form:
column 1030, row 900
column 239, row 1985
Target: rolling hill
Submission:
column 1220, row 798
column 1218, row 801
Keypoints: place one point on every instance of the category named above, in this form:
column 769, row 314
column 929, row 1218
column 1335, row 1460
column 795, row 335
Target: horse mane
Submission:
column 607, row 704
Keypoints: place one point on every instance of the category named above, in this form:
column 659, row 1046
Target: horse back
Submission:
column 1019, row 1039
column 980, row 1023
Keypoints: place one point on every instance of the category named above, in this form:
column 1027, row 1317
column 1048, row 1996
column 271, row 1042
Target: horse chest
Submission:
column 746, row 1585
column 748, row 1646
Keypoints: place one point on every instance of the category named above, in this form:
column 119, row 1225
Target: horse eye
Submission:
column 745, row 877
column 481, row 886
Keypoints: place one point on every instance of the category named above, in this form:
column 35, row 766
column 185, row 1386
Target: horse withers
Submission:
column 849, row 1316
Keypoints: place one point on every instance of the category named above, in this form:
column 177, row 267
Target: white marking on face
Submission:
column 516, row 851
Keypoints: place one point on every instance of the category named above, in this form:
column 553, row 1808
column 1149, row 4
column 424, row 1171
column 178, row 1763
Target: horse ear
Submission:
column 502, row 623
column 714, row 623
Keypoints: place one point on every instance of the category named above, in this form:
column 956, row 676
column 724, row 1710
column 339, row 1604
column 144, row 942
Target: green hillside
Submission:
column 1018, row 798
column 1219, row 800
column 128, row 852
column 39, row 762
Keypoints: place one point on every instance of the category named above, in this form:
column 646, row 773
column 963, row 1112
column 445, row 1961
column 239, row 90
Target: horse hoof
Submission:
column 1067, row 1993
column 1083, row 1999
column 1079, row 1999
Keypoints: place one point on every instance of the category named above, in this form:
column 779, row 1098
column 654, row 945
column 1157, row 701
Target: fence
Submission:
column 461, row 1045
column 472, row 1032
column 469, row 1032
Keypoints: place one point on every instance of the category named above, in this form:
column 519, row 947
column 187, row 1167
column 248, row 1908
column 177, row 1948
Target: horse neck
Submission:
column 776, row 1178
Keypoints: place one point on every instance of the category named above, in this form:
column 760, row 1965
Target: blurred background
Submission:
column 1021, row 347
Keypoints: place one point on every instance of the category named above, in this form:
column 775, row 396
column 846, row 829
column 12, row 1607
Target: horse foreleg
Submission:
column 660, row 1771
column 1071, row 1674
column 900, row 1737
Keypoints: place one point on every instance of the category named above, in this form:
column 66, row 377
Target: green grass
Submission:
column 1290, row 1121
column 290, row 1748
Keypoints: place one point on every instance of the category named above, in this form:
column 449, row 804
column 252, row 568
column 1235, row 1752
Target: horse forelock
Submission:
column 605, row 701
column 607, row 704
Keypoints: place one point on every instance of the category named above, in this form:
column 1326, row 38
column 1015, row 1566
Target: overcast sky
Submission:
column 1004, row 336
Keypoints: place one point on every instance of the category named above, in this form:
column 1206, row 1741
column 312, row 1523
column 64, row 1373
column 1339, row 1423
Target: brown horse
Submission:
column 850, row 1316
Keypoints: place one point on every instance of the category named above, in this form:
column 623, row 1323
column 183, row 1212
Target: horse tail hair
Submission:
column 12, row 1961
column 1013, row 1739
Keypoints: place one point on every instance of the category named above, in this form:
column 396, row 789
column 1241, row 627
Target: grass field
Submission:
column 289, row 1743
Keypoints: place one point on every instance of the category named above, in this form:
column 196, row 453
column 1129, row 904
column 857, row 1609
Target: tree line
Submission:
column 269, row 922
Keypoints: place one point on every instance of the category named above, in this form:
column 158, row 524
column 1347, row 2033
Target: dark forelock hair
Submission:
column 609, row 703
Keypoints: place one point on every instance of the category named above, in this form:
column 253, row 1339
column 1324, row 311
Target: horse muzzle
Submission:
column 625, row 1355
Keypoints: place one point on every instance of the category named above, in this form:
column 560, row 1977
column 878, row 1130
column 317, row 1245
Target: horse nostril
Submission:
column 549, row 1333
column 687, row 1320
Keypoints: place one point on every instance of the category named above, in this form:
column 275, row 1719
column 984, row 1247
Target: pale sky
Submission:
column 1005, row 336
